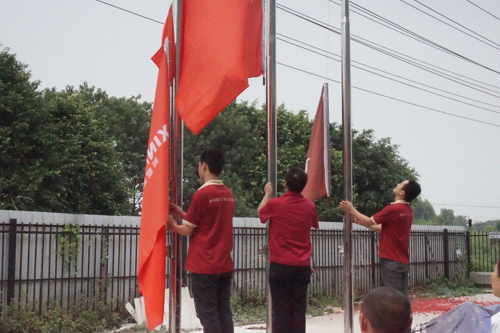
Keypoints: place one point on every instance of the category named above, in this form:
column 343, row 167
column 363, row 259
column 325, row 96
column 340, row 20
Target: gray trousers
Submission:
column 394, row 274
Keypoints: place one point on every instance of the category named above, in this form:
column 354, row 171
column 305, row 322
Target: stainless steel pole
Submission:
column 176, row 138
column 272, row 165
column 347, row 158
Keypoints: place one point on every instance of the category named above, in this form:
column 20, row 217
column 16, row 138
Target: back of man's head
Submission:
column 296, row 179
column 412, row 190
column 214, row 158
column 387, row 311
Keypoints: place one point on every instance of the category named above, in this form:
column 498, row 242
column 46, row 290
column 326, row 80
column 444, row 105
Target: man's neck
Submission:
column 399, row 198
column 210, row 177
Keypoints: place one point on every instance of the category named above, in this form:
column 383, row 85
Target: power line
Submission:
column 390, row 97
column 310, row 73
column 378, row 47
column 440, row 47
column 435, row 11
column 130, row 12
column 363, row 69
column 452, row 205
column 484, row 10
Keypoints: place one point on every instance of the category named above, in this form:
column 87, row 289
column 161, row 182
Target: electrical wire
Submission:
column 436, row 204
column 370, row 44
column 390, row 97
column 313, row 74
column 484, row 10
column 425, row 85
column 440, row 47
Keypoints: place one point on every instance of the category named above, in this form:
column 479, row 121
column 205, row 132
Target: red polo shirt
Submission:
column 210, row 245
column 396, row 220
column 291, row 218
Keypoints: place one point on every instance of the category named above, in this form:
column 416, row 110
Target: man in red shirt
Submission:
column 291, row 218
column 209, row 222
column 394, row 224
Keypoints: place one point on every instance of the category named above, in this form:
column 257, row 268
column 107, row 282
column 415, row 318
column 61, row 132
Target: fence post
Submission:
column 11, row 268
column 373, row 258
column 426, row 256
column 103, row 292
column 446, row 254
column 467, row 248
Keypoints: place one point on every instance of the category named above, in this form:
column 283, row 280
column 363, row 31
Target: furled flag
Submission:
column 318, row 159
column 152, row 239
column 221, row 47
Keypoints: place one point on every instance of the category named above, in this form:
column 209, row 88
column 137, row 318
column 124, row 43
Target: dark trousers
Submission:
column 211, row 294
column 288, row 285
column 395, row 274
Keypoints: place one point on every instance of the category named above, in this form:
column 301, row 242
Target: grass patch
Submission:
column 443, row 287
column 85, row 317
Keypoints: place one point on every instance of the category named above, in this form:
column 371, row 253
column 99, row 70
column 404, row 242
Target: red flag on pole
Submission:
column 152, row 239
column 318, row 159
column 221, row 47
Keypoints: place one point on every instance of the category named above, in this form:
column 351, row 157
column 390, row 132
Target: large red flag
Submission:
column 318, row 160
column 152, row 240
column 221, row 47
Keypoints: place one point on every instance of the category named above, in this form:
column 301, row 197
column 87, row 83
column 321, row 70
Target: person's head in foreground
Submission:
column 385, row 310
column 495, row 280
column 211, row 163
column 295, row 180
column 407, row 190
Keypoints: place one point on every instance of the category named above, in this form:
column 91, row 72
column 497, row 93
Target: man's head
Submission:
column 295, row 180
column 211, row 163
column 407, row 190
column 385, row 310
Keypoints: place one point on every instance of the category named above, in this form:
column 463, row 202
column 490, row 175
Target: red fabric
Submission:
column 291, row 218
column 396, row 220
column 317, row 157
column 152, row 240
column 211, row 242
column 220, row 43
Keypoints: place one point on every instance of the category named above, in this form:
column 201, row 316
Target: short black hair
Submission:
column 215, row 160
column 296, row 179
column 387, row 310
column 412, row 190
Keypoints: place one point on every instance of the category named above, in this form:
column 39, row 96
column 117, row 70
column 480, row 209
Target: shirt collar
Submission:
column 212, row 182
column 290, row 193
column 400, row 201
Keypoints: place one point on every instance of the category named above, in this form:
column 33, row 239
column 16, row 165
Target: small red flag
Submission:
column 318, row 159
column 152, row 239
column 221, row 47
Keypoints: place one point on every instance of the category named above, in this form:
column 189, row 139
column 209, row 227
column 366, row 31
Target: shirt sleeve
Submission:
column 268, row 211
column 384, row 216
column 196, row 210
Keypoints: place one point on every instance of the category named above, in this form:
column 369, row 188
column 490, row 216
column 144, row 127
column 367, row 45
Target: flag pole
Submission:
column 347, row 159
column 176, row 139
column 271, row 128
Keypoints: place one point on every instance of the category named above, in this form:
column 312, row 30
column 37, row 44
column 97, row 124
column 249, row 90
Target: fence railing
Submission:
column 485, row 250
column 40, row 263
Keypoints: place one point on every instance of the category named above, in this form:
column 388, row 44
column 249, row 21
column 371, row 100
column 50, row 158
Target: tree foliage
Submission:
column 240, row 131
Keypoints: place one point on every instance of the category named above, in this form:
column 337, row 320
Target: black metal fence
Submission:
column 45, row 262
column 485, row 250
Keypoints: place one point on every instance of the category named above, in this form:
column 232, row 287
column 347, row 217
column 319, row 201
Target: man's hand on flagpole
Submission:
column 176, row 211
column 268, row 191
column 347, row 207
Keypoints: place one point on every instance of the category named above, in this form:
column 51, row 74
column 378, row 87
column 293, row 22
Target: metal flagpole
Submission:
column 271, row 126
column 176, row 139
column 347, row 158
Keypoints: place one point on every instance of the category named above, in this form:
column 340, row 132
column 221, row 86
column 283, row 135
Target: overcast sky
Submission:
column 69, row 42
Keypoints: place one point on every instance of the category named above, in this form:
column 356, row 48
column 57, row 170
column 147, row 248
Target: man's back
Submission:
column 211, row 242
column 291, row 219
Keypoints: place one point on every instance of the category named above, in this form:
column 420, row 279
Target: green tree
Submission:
column 423, row 209
column 21, row 129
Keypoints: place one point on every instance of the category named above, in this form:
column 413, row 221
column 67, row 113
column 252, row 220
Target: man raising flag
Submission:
column 152, row 240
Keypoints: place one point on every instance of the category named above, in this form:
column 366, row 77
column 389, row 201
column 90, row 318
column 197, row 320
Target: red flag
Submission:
column 152, row 240
column 318, row 160
column 221, row 45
